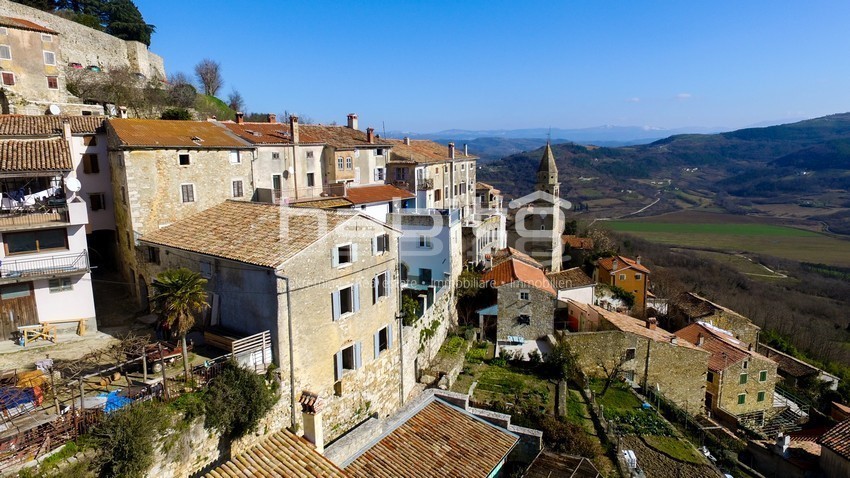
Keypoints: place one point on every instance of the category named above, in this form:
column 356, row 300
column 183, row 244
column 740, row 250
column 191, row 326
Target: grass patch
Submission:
column 480, row 352
column 617, row 397
column 452, row 345
column 677, row 448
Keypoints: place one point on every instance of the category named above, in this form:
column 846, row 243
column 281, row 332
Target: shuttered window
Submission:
column 380, row 244
column 91, row 165
column 348, row 358
column 345, row 301
column 380, row 286
column 383, row 340
column 187, row 192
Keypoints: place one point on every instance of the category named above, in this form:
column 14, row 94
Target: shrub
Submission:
column 535, row 358
column 567, row 437
column 191, row 405
column 176, row 114
column 127, row 437
column 236, row 401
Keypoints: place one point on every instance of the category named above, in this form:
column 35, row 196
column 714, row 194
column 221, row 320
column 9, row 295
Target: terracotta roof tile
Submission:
column 35, row 155
column 330, row 202
column 569, row 279
column 725, row 349
column 514, row 270
column 22, row 24
column 145, row 133
column 423, row 152
column 696, row 306
column 638, row 327
column 48, row 125
column 788, row 364
column 508, row 253
column 340, row 137
column 261, row 133
column 261, row 234
column 281, row 454
column 438, row 441
column 837, row 439
column 624, row 263
column 575, row 242
column 378, row 193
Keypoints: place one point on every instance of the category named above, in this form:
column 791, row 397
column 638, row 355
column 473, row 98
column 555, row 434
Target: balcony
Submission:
column 282, row 196
column 51, row 265
column 426, row 184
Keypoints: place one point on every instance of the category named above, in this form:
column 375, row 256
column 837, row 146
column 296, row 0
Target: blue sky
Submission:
column 428, row 66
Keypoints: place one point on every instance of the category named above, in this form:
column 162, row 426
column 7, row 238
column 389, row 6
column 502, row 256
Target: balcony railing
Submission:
column 53, row 264
column 281, row 196
column 24, row 217
column 426, row 184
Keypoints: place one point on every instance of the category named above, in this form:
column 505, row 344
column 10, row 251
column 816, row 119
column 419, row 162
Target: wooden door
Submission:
column 17, row 307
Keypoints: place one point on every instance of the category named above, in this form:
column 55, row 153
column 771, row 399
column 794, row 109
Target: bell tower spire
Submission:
column 547, row 173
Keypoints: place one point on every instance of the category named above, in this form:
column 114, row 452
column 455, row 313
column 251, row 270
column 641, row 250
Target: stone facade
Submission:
column 676, row 372
column 726, row 387
column 532, row 317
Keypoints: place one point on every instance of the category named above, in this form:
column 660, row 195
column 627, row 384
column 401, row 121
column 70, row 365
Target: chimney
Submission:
column 783, row 442
column 370, row 135
column 674, row 340
column 700, row 340
column 272, row 118
column 651, row 323
column 293, row 128
column 452, row 150
column 352, row 121
column 465, row 149
column 311, row 413
column 750, row 347
column 66, row 129
column 407, row 141
column 615, row 264
column 637, row 259
column 240, row 117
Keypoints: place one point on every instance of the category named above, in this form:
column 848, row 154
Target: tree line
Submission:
column 119, row 18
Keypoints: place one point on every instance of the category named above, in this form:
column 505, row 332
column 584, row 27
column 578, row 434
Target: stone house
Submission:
column 165, row 171
column 689, row 307
column 835, row 451
column 740, row 381
column 44, row 261
column 487, row 196
column 429, row 247
column 795, row 372
column 573, row 284
column 323, row 282
column 627, row 274
column 526, row 301
column 646, row 354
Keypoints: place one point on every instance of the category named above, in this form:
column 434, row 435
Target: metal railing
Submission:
column 33, row 216
column 50, row 265
column 425, row 184
column 282, row 196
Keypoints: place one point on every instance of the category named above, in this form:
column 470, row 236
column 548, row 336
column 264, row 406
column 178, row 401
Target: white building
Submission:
column 573, row 284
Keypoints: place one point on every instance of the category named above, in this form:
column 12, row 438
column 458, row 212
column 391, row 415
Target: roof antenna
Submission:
column 384, row 129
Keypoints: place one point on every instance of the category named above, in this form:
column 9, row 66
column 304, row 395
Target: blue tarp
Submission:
column 114, row 401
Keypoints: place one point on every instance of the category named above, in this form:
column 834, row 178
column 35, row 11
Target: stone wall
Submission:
column 419, row 351
column 540, row 309
column 730, row 386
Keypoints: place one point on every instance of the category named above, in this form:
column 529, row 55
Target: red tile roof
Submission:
column 607, row 263
column 423, row 152
column 22, row 24
column 508, row 253
column 725, row 349
column 261, row 133
column 281, row 454
column 145, row 133
column 513, row 270
column 569, row 279
column 837, row 439
column 48, row 125
column 340, row 137
column 377, row 193
column 438, row 441
column 19, row 155
column 575, row 242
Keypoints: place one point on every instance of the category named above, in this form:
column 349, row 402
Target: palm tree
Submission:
column 179, row 294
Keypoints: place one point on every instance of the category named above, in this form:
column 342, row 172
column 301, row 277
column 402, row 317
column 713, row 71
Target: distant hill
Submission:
column 807, row 163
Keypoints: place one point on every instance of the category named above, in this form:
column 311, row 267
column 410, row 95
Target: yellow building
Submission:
column 627, row 274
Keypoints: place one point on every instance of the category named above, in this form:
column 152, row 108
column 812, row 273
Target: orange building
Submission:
column 627, row 274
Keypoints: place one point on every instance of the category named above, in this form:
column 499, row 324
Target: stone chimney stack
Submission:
column 293, row 128
column 311, row 413
column 750, row 347
column 272, row 118
column 352, row 121
column 637, row 259
column 240, row 117
column 370, row 135
column 66, row 129
column 615, row 264
column 651, row 323
column 407, row 141
column 700, row 340
column 452, row 150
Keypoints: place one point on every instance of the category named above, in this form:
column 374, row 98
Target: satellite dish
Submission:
column 73, row 185
column 54, row 109
column 290, row 170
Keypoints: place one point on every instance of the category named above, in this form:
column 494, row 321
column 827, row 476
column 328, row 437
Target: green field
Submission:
column 745, row 237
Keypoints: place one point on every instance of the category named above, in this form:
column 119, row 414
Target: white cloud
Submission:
column 683, row 96
column 633, row 99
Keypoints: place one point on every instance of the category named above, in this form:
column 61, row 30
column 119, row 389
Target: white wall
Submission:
column 94, row 182
column 77, row 303
column 375, row 211
column 583, row 295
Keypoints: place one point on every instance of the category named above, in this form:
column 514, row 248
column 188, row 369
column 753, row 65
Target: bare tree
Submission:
column 612, row 369
column 208, row 73
column 235, row 101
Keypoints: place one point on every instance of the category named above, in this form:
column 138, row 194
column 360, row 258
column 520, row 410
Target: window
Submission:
column 463, row 166
column 343, row 255
column 742, row 398
column 237, row 188
column 124, row 194
column 234, row 157
column 710, row 377
column 4, row 31
column 275, row 155
column 15, row 291
column 437, row 194
column 5, row 52
column 742, row 379
column 760, row 397
column 400, row 174
column 383, row 340
column 379, row 152
column 347, row 359
column 524, row 295
column 35, row 241
column 380, row 286
column 745, row 365
column 630, row 354
column 90, row 164
column 311, row 180
column 345, row 301
column 153, row 255
column 380, row 244
column 622, row 276
column 348, row 163
column 763, row 376
column 277, row 183
column 206, row 269
column 380, row 173
column 90, row 141
column 49, row 58
column 425, row 242
column 187, row 192
column 340, row 163
column 60, row 285
column 53, row 82
column 523, row 319
column 637, row 276
column 97, row 201
column 46, row 38
column 446, row 192
column 309, row 155
column 8, row 78
column 445, row 169
column 183, row 159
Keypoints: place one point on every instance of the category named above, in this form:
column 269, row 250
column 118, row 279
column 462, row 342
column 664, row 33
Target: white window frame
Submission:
column 622, row 276
column 188, row 158
column 379, row 293
column 357, row 360
column 387, row 345
column 349, row 163
column 233, row 182
column 53, row 54
column 48, row 77
column 340, row 163
column 14, row 78
column 765, row 375
column 234, row 156
column 638, row 276
column 64, row 285
column 9, row 48
column 4, row 31
column 377, row 241
column 337, row 313
column 425, row 242
column 47, row 38
column 524, row 295
column 194, row 195
column 352, row 254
